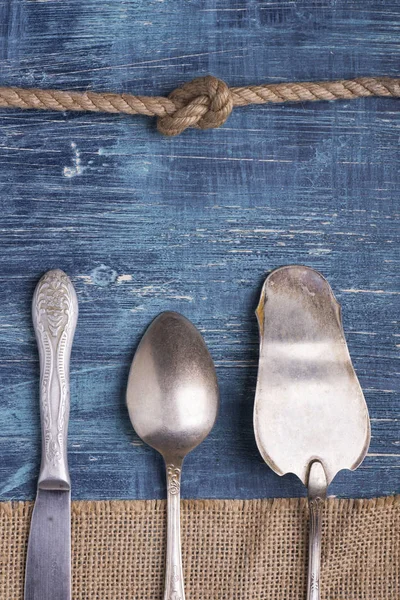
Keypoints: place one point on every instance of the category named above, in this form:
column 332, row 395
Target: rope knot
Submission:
column 205, row 102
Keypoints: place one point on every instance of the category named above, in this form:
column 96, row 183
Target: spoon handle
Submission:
column 174, row 586
column 317, row 486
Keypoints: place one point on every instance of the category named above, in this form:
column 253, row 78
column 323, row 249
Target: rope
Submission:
column 205, row 102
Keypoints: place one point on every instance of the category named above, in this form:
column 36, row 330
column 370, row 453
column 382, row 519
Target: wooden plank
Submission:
column 144, row 223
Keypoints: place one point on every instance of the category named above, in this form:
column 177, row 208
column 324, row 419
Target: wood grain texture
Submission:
column 143, row 223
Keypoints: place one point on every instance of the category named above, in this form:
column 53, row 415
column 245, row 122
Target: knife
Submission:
column 48, row 563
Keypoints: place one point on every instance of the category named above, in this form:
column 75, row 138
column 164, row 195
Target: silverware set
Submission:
column 310, row 416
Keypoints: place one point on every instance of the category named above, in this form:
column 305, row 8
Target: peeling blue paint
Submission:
column 103, row 276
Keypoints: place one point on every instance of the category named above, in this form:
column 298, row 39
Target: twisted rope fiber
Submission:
column 205, row 102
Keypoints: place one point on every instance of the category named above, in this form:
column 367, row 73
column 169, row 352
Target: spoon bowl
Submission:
column 172, row 392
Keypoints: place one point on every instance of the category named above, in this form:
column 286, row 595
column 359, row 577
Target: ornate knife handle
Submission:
column 54, row 313
column 317, row 486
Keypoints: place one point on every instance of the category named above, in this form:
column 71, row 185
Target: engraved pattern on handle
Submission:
column 174, row 585
column 54, row 312
column 173, row 479
column 314, row 567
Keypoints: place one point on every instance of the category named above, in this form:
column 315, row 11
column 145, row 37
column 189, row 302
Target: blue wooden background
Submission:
column 144, row 223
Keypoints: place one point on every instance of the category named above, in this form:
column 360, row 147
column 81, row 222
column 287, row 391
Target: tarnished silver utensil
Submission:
column 310, row 416
column 48, row 563
column 172, row 399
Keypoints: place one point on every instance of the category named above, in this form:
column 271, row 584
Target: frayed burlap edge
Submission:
column 232, row 549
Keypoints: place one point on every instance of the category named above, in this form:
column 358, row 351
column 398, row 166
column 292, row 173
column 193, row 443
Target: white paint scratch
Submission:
column 125, row 277
column 138, row 308
column 85, row 278
column 360, row 291
column 77, row 167
column 189, row 298
column 382, row 454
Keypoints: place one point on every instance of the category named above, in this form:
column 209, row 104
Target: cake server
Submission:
column 310, row 416
column 48, row 563
column 172, row 399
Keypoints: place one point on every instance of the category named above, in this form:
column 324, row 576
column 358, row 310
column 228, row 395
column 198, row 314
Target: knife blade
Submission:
column 48, row 562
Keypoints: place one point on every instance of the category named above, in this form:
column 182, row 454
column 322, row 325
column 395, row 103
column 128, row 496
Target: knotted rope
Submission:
column 205, row 102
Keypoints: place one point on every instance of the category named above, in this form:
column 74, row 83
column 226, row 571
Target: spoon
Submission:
column 172, row 399
column 310, row 416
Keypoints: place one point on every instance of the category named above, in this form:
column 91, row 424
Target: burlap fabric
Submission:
column 233, row 549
